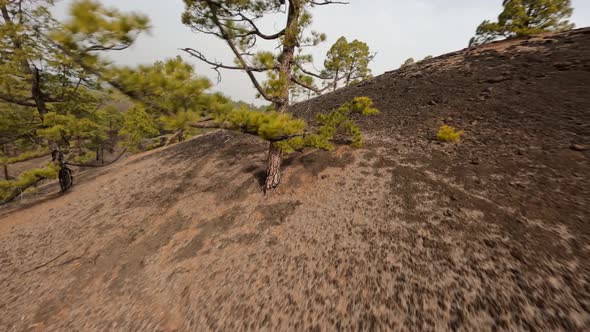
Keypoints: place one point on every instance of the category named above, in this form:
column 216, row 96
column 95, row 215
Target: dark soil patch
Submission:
column 277, row 214
column 207, row 230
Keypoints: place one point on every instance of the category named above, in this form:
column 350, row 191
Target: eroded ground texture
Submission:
column 406, row 233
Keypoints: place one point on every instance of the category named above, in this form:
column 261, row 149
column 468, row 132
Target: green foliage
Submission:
column 448, row 134
column 347, row 62
column 8, row 188
column 137, row 125
column 109, row 117
column 61, row 128
column 85, row 158
column 180, row 120
column 166, row 87
column 92, row 28
column 525, row 18
column 50, row 82
column 28, row 155
column 58, row 127
column 329, row 124
column 361, row 105
column 267, row 125
column 408, row 62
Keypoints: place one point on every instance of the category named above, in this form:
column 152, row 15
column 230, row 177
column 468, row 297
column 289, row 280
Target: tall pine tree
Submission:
column 237, row 23
column 347, row 62
column 525, row 18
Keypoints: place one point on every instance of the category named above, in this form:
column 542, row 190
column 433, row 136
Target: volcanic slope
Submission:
column 405, row 233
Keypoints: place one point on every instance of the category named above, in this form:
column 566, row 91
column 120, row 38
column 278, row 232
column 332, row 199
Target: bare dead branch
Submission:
column 328, row 2
column 216, row 65
column 13, row 100
column 46, row 263
column 307, row 72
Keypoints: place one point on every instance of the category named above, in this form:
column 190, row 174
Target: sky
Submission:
column 394, row 29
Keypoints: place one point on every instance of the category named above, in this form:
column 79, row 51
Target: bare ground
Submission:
column 405, row 234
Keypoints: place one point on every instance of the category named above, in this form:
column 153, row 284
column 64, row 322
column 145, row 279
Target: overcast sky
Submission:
column 395, row 29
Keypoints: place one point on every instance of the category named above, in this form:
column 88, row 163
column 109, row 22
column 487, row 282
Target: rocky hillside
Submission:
column 405, row 233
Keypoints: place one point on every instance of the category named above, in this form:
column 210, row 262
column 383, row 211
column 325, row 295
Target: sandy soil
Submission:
column 404, row 234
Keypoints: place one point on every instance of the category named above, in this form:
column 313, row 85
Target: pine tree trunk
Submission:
column 79, row 146
column 37, row 94
column 5, row 151
column 273, row 168
column 290, row 43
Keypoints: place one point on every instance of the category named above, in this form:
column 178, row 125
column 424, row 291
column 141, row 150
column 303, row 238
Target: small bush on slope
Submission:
column 448, row 134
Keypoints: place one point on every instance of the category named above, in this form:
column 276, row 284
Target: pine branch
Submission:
column 99, row 166
column 328, row 2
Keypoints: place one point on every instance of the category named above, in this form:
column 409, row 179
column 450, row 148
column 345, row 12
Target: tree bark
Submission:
column 178, row 135
column 273, row 168
column 5, row 166
column 36, row 90
column 290, row 43
column 66, row 180
column 79, row 146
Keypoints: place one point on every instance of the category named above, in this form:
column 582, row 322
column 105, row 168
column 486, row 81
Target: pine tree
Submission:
column 347, row 62
column 237, row 24
column 408, row 62
column 524, row 18
column 336, row 61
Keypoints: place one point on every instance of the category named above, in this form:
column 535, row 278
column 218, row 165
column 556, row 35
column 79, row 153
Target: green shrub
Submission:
column 7, row 188
column 448, row 134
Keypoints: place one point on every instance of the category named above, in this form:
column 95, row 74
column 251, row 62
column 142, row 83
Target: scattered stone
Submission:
column 432, row 102
column 535, row 58
column 490, row 243
column 498, row 79
column 448, row 213
column 579, row 147
column 454, row 198
column 475, row 162
column 517, row 184
column 563, row 66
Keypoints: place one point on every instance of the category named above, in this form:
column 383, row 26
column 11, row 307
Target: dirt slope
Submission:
column 405, row 233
